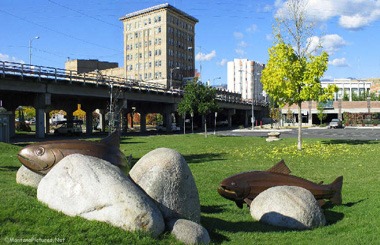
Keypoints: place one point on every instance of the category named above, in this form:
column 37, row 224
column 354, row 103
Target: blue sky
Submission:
column 90, row 29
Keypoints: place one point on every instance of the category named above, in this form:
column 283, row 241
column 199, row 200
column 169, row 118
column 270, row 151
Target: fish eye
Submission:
column 233, row 183
column 39, row 151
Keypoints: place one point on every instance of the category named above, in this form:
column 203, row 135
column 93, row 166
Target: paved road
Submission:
column 343, row 134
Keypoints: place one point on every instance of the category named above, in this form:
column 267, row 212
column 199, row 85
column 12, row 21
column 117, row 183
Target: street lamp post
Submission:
column 30, row 48
column 171, row 75
column 253, row 98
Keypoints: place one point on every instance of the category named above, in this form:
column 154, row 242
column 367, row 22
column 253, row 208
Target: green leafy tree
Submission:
column 198, row 98
column 292, row 74
column 320, row 112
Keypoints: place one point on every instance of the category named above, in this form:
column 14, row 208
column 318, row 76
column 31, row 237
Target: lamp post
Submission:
column 200, row 62
column 30, row 48
column 171, row 75
column 110, row 112
column 253, row 97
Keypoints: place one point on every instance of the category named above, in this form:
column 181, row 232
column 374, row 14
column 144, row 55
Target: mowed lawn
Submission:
column 211, row 160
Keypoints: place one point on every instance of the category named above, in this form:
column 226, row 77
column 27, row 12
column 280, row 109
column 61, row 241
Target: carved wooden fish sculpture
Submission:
column 41, row 157
column 244, row 187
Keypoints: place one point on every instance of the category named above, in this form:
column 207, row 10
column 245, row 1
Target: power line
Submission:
column 84, row 14
column 59, row 32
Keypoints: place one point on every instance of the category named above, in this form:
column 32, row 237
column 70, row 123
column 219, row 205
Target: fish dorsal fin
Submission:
column 280, row 167
column 112, row 139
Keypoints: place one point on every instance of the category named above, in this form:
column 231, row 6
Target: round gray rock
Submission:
column 188, row 231
column 288, row 206
column 27, row 177
column 165, row 176
column 97, row 190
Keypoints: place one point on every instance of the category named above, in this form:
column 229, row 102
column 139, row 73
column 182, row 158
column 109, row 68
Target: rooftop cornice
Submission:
column 157, row 7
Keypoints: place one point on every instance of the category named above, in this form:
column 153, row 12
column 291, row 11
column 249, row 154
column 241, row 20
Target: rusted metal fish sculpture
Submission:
column 41, row 157
column 244, row 187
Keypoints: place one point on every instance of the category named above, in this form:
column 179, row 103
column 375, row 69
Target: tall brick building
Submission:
column 159, row 45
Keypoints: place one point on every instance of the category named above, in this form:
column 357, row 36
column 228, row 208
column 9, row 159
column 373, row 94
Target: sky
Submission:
column 349, row 30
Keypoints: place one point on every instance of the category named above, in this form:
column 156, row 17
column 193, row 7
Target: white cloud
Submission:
column 223, row 62
column 205, row 57
column 252, row 28
column 352, row 14
column 5, row 57
column 339, row 62
column 240, row 52
column 238, row 35
column 243, row 44
column 330, row 43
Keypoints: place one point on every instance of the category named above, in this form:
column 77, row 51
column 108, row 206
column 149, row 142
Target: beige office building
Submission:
column 159, row 45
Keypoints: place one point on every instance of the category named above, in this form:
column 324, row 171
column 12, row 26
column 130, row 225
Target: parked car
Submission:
column 69, row 127
column 336, row 123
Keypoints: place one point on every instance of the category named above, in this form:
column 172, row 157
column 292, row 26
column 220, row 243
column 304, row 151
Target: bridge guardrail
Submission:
column 58, row 74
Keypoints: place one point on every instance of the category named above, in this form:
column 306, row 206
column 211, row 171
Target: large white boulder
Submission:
column 165, row 176
column 27, row 177
column 188, row 231
column 288, row 206
column 92, row 188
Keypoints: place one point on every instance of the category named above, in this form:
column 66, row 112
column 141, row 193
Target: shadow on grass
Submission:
column 351, row 142
column 212, row 209
column 215, row 225
column 8, row 169
column 206, row 157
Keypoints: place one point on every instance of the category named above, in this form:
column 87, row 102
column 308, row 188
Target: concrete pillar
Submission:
column 40, row 123
column 142, row 122
column 89, row 124
column 340, row 109
column 47, row 122
column 168, row 120
column 246, row 117
column 40, row 103
column 231, row 112
column 102, row 120
column 12, row 128
column 124, row 120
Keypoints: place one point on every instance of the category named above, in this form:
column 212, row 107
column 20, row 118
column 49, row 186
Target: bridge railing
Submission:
column 57, row 74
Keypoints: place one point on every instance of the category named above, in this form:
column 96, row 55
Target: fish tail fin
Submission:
column 337, row 187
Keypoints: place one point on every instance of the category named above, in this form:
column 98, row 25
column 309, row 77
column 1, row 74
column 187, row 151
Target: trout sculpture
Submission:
column 41, row 157
column 244, row 187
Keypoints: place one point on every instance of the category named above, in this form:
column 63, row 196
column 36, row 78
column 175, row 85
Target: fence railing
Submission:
column 57, row 74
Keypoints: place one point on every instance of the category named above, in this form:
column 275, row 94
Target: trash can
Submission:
column 4, row 126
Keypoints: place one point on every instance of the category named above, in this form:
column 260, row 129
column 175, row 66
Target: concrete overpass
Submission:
column 48, row 88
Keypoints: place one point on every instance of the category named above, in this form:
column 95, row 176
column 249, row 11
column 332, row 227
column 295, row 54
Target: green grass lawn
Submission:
column 211, row 160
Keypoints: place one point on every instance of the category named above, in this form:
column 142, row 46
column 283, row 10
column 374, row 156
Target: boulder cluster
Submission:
column 158, row 195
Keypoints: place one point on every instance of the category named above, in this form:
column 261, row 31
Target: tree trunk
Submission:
column 299, row 145
column 205, row 127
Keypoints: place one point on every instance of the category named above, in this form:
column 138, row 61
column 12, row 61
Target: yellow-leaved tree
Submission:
column 292, row 74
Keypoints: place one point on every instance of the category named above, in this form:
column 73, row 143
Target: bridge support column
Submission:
column 246, row 117
column 142, row 122
column 41, row 102
column 47, row 122
column 231, row 112
column 102, row 119
column 168, row 117
column 40, row 123
column 89, row 125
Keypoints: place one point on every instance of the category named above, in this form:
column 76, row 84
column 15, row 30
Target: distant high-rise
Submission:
column 159, row 45
column 243, row 76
